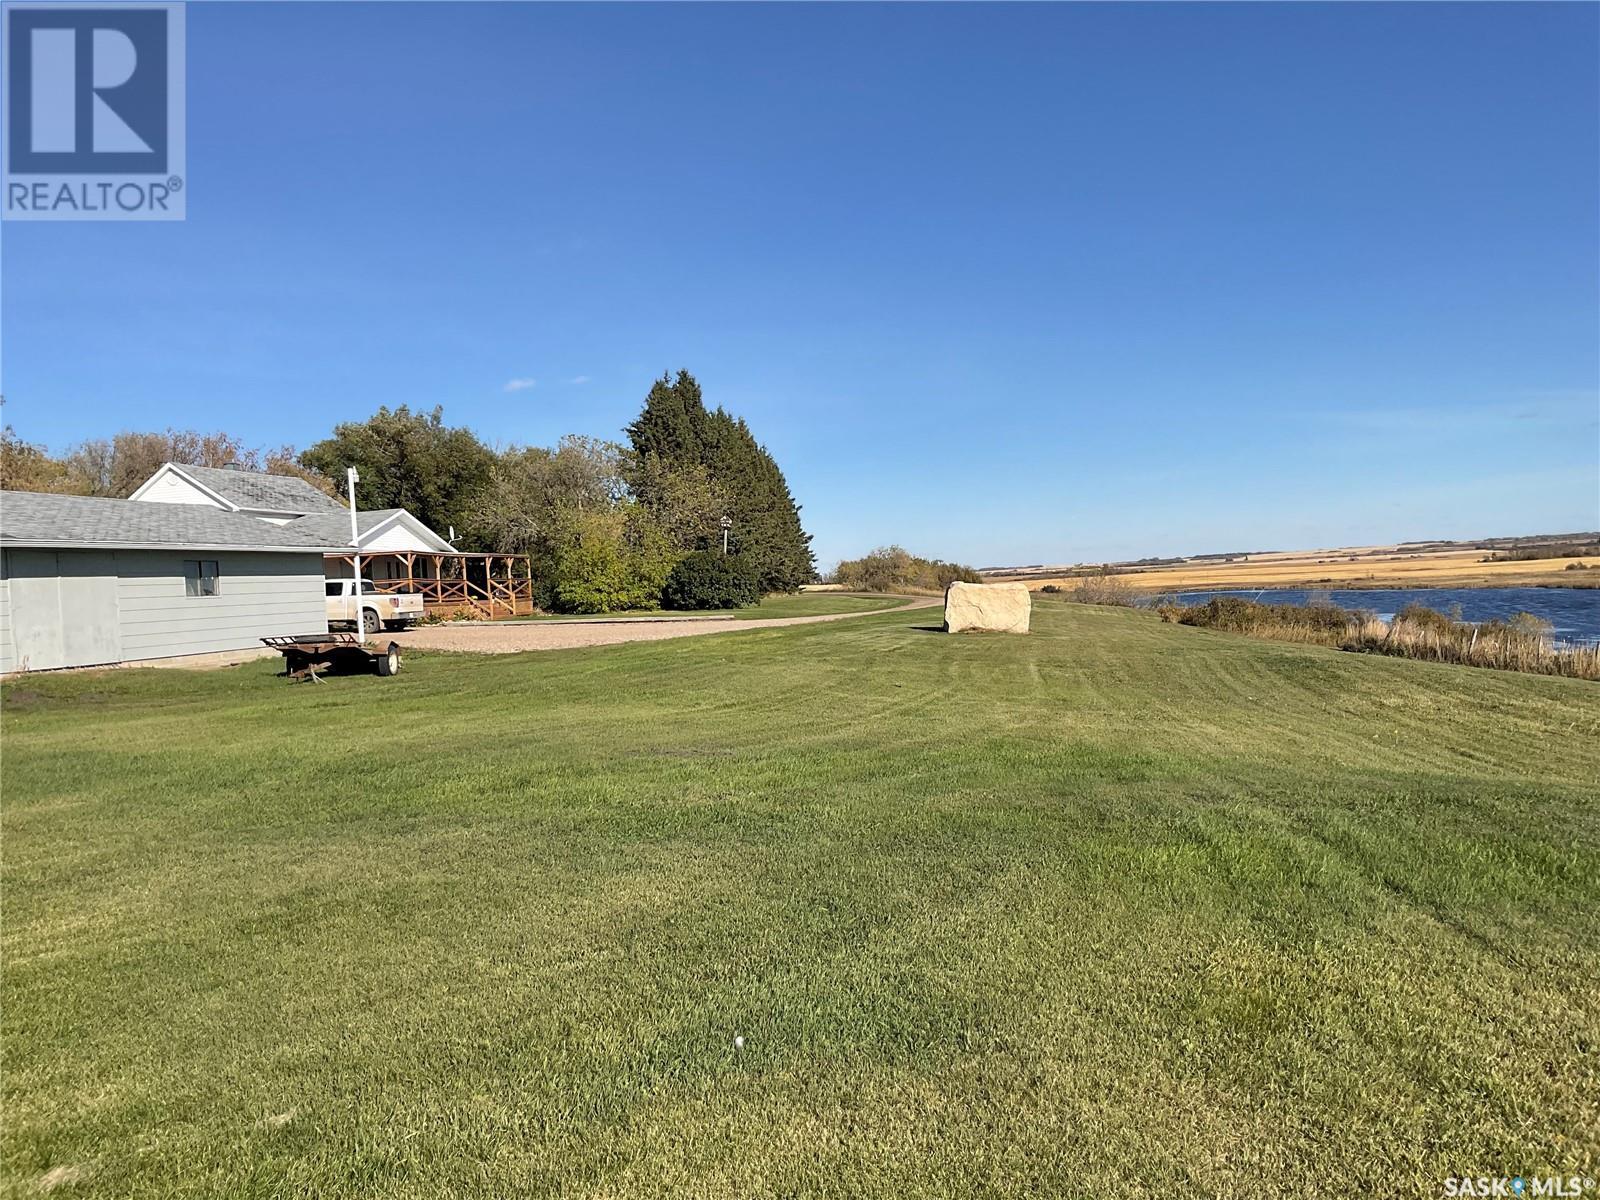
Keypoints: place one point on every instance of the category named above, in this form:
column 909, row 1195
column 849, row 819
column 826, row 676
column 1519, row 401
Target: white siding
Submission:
column 88, row 598
column 8, row 648
column 33, row 579
column 171, row 488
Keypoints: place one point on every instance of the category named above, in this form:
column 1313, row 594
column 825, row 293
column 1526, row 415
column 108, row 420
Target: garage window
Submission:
column 200, row 577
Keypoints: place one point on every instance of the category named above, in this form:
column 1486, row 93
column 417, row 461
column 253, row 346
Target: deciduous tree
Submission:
column 409, row 460
column 528, row 486
column 25, row 467
column 117, row 466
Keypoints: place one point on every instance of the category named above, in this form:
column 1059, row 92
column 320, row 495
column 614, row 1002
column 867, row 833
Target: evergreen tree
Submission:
column 675, row 429
column 766, row 520
column 671, row 429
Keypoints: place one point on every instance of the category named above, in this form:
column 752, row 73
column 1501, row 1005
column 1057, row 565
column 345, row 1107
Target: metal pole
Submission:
column 724, row 541
column 351, row 478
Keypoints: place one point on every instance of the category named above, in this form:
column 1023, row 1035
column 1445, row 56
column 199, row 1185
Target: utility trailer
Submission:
column 304, row 653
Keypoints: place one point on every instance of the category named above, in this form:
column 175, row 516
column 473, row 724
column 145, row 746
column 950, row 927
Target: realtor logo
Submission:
column 94, row 112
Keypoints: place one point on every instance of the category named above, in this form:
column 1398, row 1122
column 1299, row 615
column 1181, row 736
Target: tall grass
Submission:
column 1521, row 644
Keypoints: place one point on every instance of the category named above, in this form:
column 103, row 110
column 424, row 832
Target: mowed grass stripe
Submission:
column 1116, row 909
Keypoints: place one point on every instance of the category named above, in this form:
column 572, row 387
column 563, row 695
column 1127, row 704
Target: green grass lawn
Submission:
column 800, row 604
column 814, row 604
column 1117, row 909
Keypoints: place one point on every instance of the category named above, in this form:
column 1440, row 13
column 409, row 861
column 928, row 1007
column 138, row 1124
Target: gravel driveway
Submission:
column 514, row 638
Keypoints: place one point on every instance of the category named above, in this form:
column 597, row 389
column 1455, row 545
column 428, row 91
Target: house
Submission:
column 278, row 499
column 379, row 531
column 86, row 581
column 398, row 552
column 289, row 500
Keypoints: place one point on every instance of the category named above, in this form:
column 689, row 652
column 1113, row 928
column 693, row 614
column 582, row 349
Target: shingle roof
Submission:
column 257, row 489
column 336, row 526
column 37, row 519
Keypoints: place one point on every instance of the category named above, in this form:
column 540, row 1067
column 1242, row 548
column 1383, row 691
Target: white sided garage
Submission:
column 86, row 581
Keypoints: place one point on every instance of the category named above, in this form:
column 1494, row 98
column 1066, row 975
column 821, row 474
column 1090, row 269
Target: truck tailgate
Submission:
column 391, row 606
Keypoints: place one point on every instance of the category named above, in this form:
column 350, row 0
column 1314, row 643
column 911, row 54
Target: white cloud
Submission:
column 520, row 385
column 580, row 379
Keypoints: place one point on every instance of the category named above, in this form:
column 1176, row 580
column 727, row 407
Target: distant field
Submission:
column 1451, row 569
column 1116, row 909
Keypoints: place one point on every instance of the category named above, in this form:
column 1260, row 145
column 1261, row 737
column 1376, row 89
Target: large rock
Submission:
column 987, row 608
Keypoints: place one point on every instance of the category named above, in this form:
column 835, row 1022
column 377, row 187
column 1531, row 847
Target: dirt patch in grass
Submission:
column 59, row 1177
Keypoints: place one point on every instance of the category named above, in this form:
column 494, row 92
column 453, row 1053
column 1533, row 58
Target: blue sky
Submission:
column 1004, row 283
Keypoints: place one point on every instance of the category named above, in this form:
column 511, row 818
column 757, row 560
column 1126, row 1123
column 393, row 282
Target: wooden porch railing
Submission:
column 500, row 592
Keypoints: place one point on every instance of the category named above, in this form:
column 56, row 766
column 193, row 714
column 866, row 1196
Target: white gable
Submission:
column 403, row 532
column 396, row 537
column 167, row 486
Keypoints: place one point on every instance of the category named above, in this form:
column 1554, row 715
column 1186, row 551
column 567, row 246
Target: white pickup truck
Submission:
column 387, row 609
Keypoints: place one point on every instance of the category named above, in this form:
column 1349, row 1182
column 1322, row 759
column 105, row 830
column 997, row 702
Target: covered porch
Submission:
column 484, row 585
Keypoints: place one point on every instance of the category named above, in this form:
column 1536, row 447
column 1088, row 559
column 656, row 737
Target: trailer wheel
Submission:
column 389, row 661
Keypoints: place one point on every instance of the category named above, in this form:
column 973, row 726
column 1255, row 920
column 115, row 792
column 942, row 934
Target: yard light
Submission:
column 352, row 477
column 726, row 523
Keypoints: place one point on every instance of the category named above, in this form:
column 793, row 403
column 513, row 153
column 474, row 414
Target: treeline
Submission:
column 894, row 569
column 606, row 523
column 116, row 466
column 1539, row 553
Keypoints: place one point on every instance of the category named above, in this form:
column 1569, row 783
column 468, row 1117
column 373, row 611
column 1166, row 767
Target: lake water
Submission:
column 1575, row 612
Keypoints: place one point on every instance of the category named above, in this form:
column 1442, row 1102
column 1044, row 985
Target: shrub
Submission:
column 604, row 560
column 710, row 579
column 1529, row 625
column 1421, row 617
column 894, row 569
column 1323, row 623
column 1105, row 586
column 591, row 578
